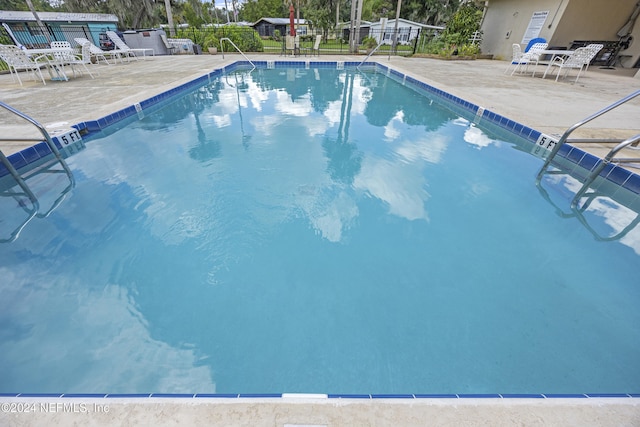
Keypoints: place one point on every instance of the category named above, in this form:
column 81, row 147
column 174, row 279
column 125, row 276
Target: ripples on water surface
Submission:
column 315, row 231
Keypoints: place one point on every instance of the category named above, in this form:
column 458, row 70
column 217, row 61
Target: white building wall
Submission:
column 506, row 22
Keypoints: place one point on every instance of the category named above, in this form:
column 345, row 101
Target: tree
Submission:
column 130, row 13
column 39, row 5
column 253, row 10
column 432, row 12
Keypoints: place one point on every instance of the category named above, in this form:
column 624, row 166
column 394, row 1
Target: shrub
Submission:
column 210, row 40
column 369, row 42
column 247, row 39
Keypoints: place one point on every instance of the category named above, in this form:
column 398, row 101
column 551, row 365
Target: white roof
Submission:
column 26, row 16
column 392, row 22
column 280, row 21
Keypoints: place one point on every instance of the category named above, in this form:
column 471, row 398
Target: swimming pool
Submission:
column 317, row 230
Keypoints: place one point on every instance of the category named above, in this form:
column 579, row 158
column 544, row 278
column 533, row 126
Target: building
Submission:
column 22, row 27
column 382, row 30
column 565, row 24
column 267, row 27
column 407, row 30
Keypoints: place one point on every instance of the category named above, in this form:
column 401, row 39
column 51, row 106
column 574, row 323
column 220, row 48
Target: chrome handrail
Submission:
column 237, row 48
column 566, row 134
column 602, row 164
column 21, row 181
column 370, row 53
column 46, row 136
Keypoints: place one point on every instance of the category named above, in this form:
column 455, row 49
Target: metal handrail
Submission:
column 237, row 48
column 46, row 136
column 21, row 181
column 578, row 212
column 566, row 134
column 370, row 53
column 35, row 206
column 602, row 164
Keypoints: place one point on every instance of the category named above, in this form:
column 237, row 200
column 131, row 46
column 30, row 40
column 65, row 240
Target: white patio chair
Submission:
column 18, row 60
column 98, row 53
column 530, row 57
column 594, row 48
column 577, row 60
column 515, row 56
column 290, row 44
column 124, row 50
column 81, row 59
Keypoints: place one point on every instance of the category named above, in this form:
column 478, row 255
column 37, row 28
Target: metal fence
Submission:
column 246, row 38
column 36, row 37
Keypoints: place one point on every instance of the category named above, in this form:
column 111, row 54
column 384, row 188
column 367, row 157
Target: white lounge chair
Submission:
column 123, row 49
column 98, row 53
column 170, row 47
column 577, row 60
column 530, row 57
column 18, row 60
column 316, row 46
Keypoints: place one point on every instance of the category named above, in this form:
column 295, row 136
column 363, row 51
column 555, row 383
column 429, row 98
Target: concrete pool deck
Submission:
column 309, row 412
column 544, row 105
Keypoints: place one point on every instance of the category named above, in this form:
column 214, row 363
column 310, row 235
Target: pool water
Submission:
column 320, row 231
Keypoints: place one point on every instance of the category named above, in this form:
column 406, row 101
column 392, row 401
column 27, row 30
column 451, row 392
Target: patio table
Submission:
column 554, row 54
column 54, row 58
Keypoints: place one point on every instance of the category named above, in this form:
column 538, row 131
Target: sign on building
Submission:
column 535, row 25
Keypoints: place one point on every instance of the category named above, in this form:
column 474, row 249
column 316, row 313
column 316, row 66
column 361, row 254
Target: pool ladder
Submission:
column 237, row 48
column 602, row 163
column 577, row 210
column 21, row 179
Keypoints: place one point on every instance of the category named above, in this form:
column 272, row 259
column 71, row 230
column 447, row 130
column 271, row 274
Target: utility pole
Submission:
column 358, row 19
column 352, row 27
column 44, row 30
column 172, row 30
column 394, row 46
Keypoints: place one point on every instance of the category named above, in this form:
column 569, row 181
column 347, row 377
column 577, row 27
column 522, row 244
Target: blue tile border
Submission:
column 565, row 396
column 39, row 395
column 216, row 396
column 479, row 396
column 392, row 396
column 87, row 395
column 349, row 396
column 127, row 395
column 173, row 396
column 521, row 396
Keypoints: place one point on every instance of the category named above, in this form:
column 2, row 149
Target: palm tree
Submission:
column 167, row 5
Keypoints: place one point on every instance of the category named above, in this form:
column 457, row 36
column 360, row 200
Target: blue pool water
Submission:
column 316, row 230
